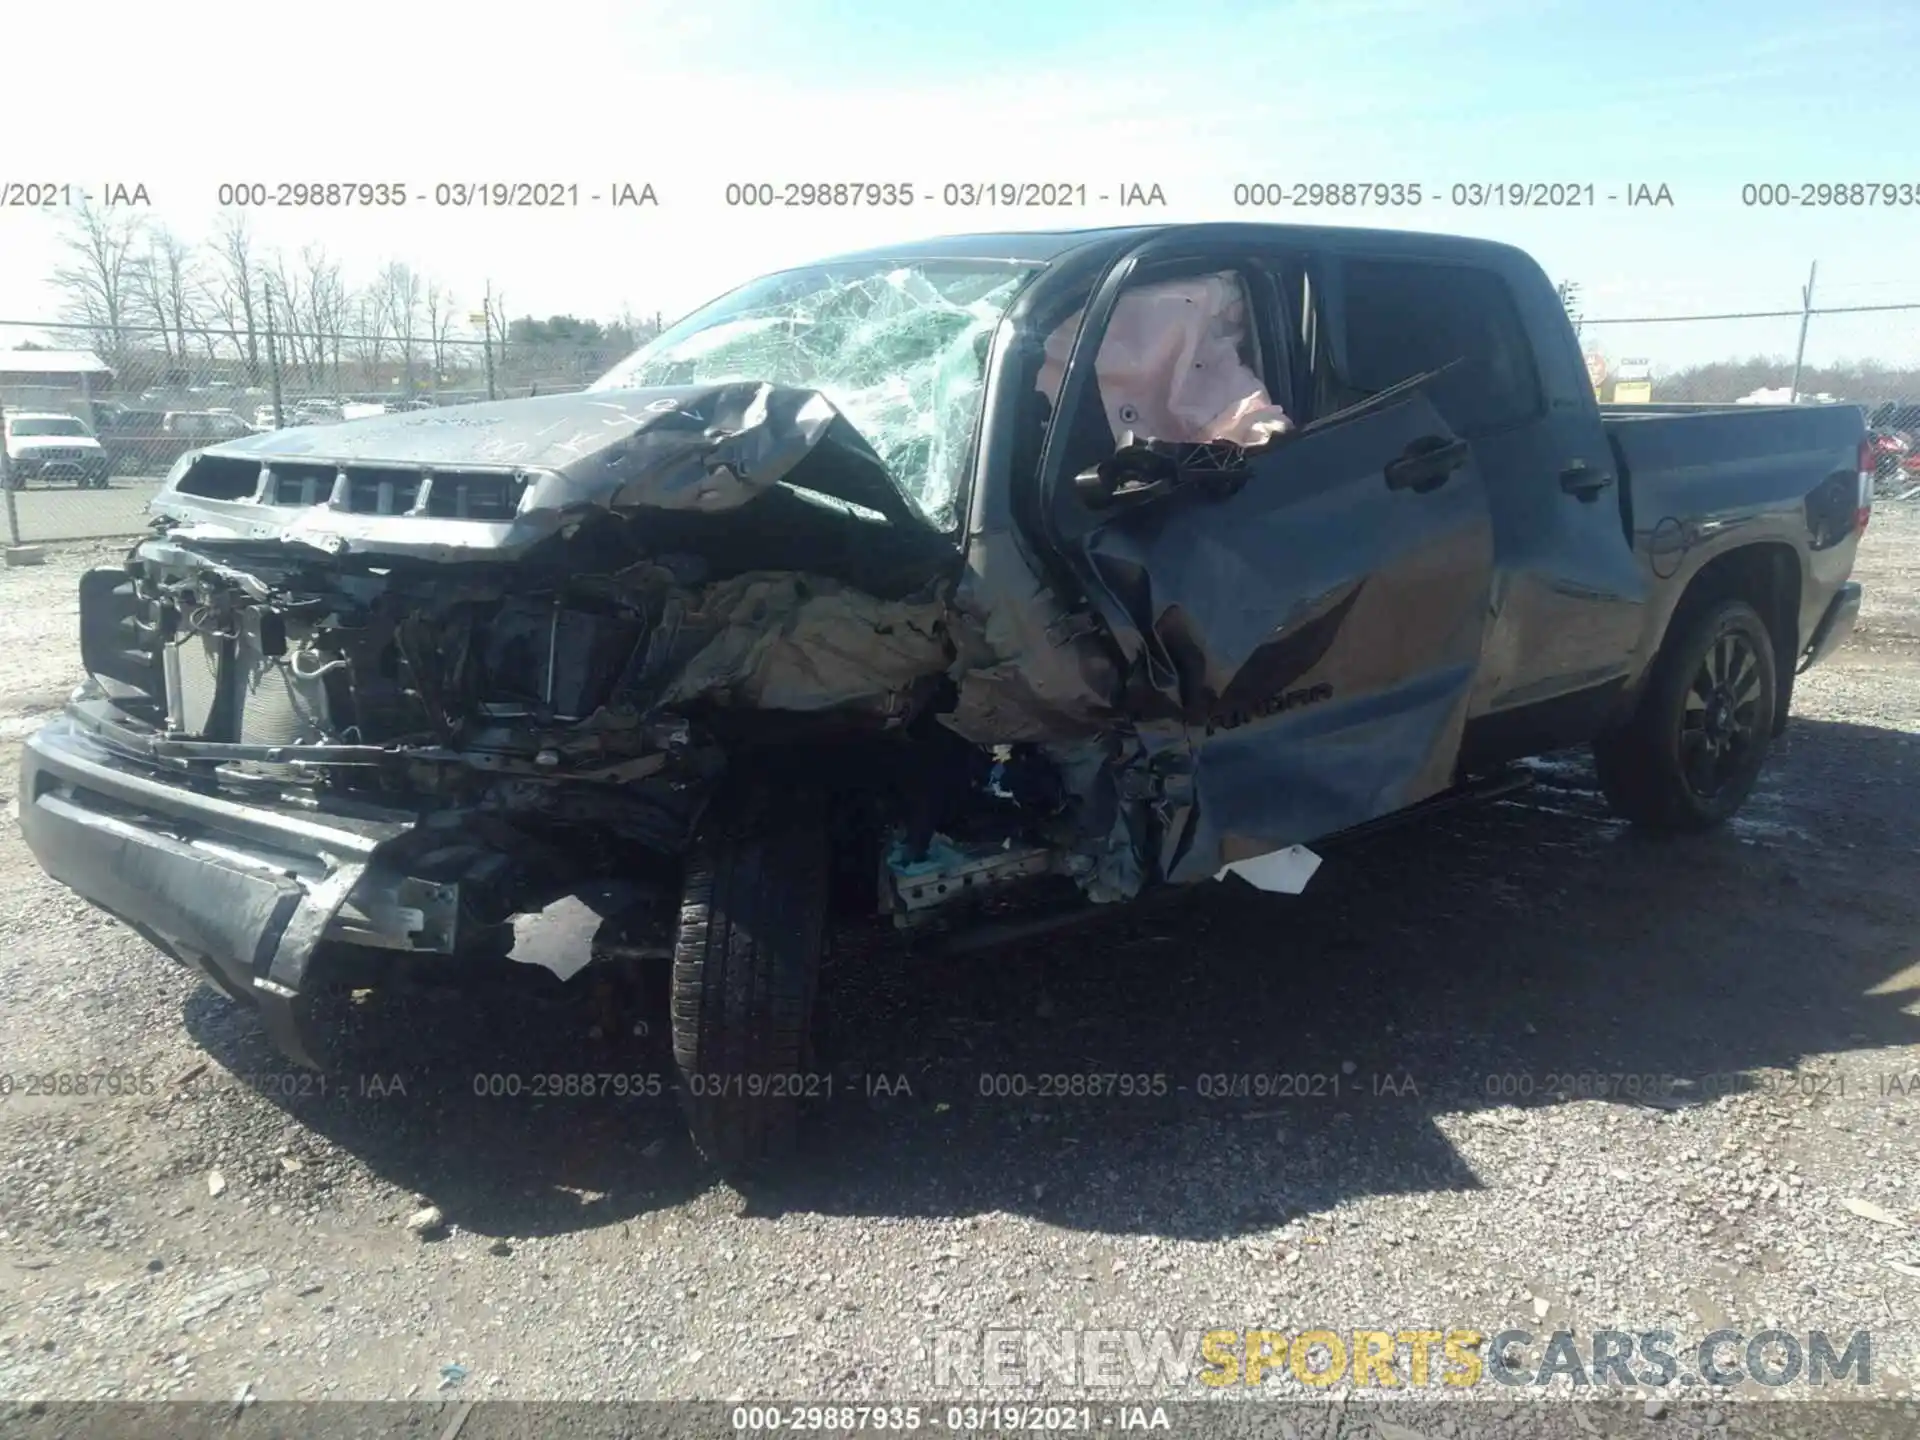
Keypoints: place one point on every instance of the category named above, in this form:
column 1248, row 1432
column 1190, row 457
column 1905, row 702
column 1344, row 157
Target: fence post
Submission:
column 273, row 364
column 486, row 313
column 6, row 483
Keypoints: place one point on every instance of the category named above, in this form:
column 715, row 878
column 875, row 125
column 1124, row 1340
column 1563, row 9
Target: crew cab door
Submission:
column 1301, row 621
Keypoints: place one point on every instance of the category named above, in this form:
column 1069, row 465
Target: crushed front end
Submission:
column 382, row 689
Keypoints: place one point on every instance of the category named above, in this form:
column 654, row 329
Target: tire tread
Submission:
column 746, row 961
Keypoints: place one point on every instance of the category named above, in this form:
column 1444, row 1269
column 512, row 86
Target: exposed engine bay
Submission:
column 558, row 706
column 545, row 632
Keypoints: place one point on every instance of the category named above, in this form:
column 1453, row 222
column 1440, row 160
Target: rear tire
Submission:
column 753, row 923
column 1689, row 756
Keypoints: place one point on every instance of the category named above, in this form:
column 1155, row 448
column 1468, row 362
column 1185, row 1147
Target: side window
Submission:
column 1180, row 360
column 1405, row 317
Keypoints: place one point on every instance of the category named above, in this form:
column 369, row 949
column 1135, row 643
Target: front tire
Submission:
column 1695, row 745
column 753, row 924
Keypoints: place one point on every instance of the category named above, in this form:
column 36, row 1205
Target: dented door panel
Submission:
column 1314, row 634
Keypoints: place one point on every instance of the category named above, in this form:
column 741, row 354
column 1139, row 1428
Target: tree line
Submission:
column 153, row 303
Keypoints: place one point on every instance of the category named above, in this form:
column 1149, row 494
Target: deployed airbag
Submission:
column 1171, row 365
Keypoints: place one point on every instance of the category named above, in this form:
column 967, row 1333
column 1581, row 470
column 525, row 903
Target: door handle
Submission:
column 1579, row 480
column 1427, row 464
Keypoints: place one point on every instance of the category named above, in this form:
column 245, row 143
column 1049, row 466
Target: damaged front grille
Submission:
column 357, row 489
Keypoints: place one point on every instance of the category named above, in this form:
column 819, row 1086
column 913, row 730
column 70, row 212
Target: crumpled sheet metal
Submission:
column 1307, row 697
column 1018, row 676
column 725, row 449
column 688, row 449
column 1170, row 365
column 809, row 644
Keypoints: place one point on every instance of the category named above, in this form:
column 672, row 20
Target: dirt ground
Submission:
column 214, row 1222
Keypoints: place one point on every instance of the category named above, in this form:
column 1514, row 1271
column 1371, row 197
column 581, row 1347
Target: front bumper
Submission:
column 1835, row 626
column 68, row 469
column 243, row 893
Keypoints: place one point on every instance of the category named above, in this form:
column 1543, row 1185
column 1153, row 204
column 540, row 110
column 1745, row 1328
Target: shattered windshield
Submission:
column 899, row 348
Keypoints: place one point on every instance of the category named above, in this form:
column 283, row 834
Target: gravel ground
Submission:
column 229, row 1224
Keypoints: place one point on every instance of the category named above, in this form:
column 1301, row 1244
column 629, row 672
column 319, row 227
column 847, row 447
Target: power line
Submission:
column 1753, row 314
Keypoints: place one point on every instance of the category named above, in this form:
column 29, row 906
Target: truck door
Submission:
column 1570, row 595
column 1302, row 621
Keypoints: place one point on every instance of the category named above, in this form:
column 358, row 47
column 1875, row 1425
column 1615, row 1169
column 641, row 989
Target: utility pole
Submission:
column 1569, row 293
column 1800, row 351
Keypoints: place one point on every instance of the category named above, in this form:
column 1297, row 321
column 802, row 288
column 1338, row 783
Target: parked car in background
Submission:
column 316, row 411
column 127, row 432
column 53, row 449
column 148, row 442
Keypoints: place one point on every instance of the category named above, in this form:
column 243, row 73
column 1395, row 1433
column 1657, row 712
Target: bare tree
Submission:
column 325, row 314
column 397, row 295
column 174, row 264
column 97, row 282
column 440, row 303
column 147, row 301
column 369, row 334
column 235, row 291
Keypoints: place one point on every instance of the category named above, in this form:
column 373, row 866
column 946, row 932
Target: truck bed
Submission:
column 1730, row 458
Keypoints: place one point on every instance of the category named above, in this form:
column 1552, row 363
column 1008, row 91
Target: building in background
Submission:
column 65, row 380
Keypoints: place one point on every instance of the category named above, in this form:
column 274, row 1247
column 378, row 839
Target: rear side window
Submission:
column 1406, row 317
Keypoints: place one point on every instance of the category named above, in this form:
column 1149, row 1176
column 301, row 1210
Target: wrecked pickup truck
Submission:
column 1085, row 563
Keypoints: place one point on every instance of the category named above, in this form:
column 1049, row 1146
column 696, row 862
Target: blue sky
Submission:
column 1195, row 97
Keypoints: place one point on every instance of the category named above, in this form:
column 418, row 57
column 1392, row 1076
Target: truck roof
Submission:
column 1041, row 247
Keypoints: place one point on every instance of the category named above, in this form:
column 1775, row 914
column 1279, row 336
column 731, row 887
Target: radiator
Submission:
column 273, row 705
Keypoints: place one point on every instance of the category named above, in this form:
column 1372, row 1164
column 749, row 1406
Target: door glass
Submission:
column 1405, row 318
column 1179, row 362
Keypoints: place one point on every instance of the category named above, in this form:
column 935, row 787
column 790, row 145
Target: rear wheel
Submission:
column 1690, row 755
column 753, row 921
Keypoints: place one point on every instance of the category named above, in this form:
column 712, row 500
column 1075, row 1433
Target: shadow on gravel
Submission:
column 1248, row 1057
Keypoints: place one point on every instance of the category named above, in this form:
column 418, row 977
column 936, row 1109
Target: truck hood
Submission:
column 777, row 470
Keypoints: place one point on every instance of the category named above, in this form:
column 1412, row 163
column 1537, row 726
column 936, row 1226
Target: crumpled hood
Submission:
column 784, row 456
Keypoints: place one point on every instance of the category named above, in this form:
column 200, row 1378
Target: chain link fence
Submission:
column 94, row 418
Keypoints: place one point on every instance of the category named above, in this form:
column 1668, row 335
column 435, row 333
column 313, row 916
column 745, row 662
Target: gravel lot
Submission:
column 230, row 1225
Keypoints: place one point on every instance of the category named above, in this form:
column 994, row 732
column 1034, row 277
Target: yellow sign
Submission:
column 1633, row 392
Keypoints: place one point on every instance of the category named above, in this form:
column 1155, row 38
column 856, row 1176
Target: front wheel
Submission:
column 1689, row 756
column 753, row 923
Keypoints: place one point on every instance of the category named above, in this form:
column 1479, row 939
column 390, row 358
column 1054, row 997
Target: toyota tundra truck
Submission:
column 1045, row 569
